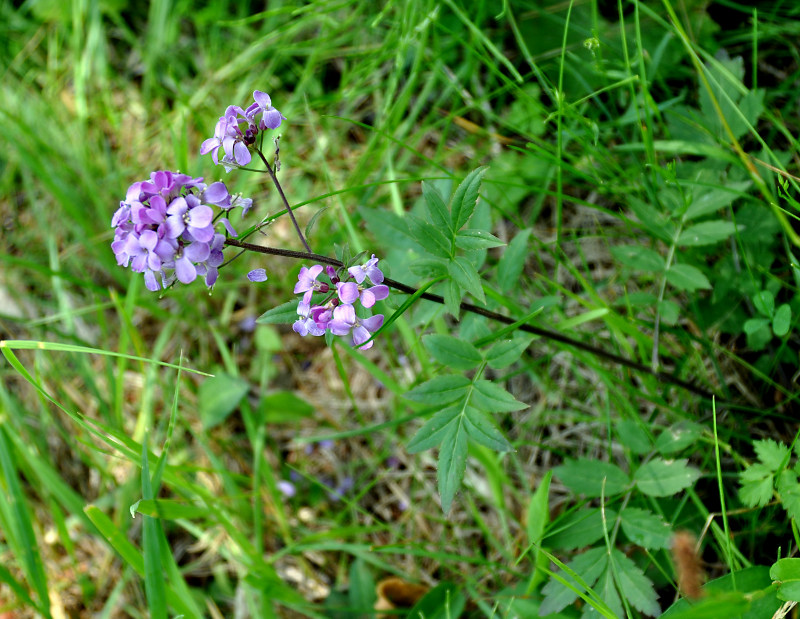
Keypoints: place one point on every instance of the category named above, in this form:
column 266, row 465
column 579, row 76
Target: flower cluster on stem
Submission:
column 335, row 309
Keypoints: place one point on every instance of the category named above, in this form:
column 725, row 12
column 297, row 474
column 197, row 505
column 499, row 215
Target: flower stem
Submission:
column 285, row 201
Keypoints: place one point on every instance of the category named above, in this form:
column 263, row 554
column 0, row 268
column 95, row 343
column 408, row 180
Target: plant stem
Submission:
column 285, row 201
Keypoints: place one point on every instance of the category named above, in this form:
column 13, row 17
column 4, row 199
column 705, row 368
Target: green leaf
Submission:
column 782, row 320
column 645, row 528
column 435, row 429
column 706, row 233
column 283, row 407
column 283, row 314
column 787, row 574
column 589, row 566
column 687, row 277
column 789, row 492
column 511, row 264
column 678, row 437
column 465, row 198
column 437, row 210
column 452, row 462
column 506, row 352
column 440, row 390
column 756, row 492
column 444, row 601
column 586, row 476
column 429, row 237
column 452, row 352
column 492, row 398
column 711, row 199
column 477, row 239
column 634, row 437
column 754, row 325
column 580, row 528
column 428, row 268
column 168, row 509
column 218, row 397
column 638, row 589
column 466, row 276
column 669, row 311
column 637, row 257
column 482, row 430
column 773, row 454
column 660, row 477
column 765, row 303
column 361, row 595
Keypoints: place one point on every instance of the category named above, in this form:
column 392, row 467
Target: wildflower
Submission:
column 257, row 275
column 367, row 270
column 286, row 488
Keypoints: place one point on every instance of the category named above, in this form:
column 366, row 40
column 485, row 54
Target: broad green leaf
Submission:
column 592, row 478
column 452, row 296
column 465, row 274
column 754, row 325
column 218, row 397
column 437, row 210
column 706, row 233
column 482, row 430
column 538, row 515
column 429, row 237
column 757, row 492
column 638, row 257
column 506, row 352
column 765, row 303
column 492, row 398
column 511, row 264
column 361, row 595
column 283, row 314
column 452, row 352
column 580, row 528
column 669, row 311
column 439, row 390
column 444, row 601
column 786, row 572
column 428, row 268
column 638, row 589
column 660, row 477
column 687, row 277
column 678, row 437
column 589, row 566
column 710, row 199
column 607, row 590
column 645, row 528
column 452, row 462
column 782, row 320
column 283, row 407
column 435, row 429
column 773, row 454
column 653, row 220
column 634, row 437
column 477, row 239
column 465, row 198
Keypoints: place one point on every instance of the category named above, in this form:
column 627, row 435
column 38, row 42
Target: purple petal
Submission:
column 241, row 154
column 361, row 335
column 150, row 281
column 185, row 271
column 204, row 235
column 348, row 292
column 208, row 145
column 201, row 216
column 257, row 275
column 217, row 193
column 197, row 252
column 373, row 323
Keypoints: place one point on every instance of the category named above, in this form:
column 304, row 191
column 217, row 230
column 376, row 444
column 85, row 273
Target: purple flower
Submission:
column 367, row 270
column 305, row 324
column 307, row 282
column 270, row 117
column 371, row 295
column 257, row 275
column 195, row 221
column 347, row 291
column 286, row 488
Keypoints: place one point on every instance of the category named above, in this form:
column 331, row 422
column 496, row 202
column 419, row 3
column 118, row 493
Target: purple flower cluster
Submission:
column 165, row 228
column 336, row 311
column 237, row 129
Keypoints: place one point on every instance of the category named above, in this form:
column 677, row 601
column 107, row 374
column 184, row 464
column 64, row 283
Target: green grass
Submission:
column 128, row 488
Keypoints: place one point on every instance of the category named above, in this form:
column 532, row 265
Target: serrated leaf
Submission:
column 452, row 462
column 439, row 390
column 589, row 566
column 773, row 454
column 283, row 314
column 578, row 529
column 511, row 264
column 506, row 352
column 429, row 237
column 466, row 276
column 645, row 528
column 492, row 398
column 765, row 303
column 437, row 210
column 586, row 476
column 452, row 297
column 638, row 589
column 428, row 268
column 687, row 277
column 710, row 199
column 756, row 493
column 465, row 198
column 632, row 436
column 660, row 477
column 782, row 320
column 218, row 397
column 434, row 430
column 678, row 437
column 477, row 239
column 789, row 492
column 452, row 352
column 483, row 431
column 638, row 257
column 706, row 233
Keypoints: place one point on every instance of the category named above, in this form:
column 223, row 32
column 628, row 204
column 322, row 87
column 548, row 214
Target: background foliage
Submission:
column 638, row 172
